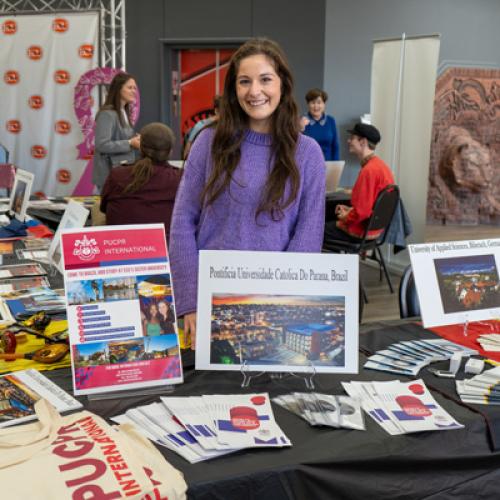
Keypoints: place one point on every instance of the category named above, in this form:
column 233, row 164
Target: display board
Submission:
column 273, row 311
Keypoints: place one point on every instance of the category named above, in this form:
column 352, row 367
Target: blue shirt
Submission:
column 324, row 132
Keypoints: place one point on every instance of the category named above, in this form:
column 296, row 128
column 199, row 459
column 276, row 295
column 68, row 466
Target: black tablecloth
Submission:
column 336, row 463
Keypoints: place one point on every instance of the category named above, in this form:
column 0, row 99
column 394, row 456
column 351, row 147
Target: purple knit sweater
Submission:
column 229, row 223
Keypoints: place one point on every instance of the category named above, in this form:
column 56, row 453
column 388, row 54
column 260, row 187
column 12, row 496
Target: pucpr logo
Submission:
column 61, row 76
column 60, row 25
column 35, row 102
column 11, row 77
column 38, row 152
column 9, row 27
column 63, row 176
column 13, row 126
column 86, row 249
column 63, row 127
column 86, row 51
column 35, row 52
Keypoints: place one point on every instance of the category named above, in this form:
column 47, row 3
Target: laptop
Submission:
column 333, row 173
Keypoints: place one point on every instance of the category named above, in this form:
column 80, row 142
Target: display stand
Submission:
column 308, row 377
column 161, row 390
column 466, row 326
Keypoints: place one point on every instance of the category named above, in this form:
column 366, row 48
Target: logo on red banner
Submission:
column 86, row 249
column 63, row 127
column 86, row 51
column 11, row 77
column 35, row 52
column 9, row 27
column 63, row 176
column 38, row 152
column 61, row 76
column 35, row 102
column 13, row 126
column 60, row 25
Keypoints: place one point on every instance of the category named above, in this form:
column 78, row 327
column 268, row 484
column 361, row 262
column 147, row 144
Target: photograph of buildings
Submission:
column 283, row 330
column 101, row 290
column 468, row 283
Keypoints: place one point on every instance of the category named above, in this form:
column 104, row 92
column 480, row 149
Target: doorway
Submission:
column 196, row 73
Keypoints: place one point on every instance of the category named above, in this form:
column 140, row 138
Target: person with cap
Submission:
column 374, row 176
column 145, row 192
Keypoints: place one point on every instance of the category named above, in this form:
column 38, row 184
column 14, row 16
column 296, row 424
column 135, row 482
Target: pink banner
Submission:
column 91, row 377
column 113, row 246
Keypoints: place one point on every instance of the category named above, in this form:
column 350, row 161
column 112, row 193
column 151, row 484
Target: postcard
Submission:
column 8, row 287
column 272, row 311
column 20, row 193
column 20, row 270
column 120, row 307
column 457, row 281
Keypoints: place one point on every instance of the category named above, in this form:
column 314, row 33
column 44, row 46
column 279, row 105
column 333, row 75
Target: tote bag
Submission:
column 81, row 457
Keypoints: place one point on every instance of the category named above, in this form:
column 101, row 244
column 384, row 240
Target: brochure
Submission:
column 75, row 216
column 7, row 287
column 20, row 270
column 457, row 281
column 273, row 311
column 402, row 407
column 120, row 306
column 20, row 391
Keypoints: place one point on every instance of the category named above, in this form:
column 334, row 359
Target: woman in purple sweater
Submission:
column 252, row 182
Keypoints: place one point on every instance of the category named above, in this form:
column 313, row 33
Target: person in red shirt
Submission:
column 374, row 176
column 144, row 192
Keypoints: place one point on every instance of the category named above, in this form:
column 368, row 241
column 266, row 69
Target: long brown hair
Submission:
column 233, row 121
column 113, row 99
column 157, row 141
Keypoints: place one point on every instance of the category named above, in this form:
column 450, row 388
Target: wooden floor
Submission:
column 456, row 233
column 381, row 303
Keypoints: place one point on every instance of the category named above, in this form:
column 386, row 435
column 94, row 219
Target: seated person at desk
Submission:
column 144, row 192
column 374, row 176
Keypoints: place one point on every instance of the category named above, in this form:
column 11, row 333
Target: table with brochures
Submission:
column 339, row 463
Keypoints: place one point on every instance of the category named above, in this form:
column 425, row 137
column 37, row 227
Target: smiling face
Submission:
column 316, row 107
column 258, row 89
column 356, row 145
column 128, row 92
column 163, row 308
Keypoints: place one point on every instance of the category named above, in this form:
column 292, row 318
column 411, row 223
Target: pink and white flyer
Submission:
column 121, row 311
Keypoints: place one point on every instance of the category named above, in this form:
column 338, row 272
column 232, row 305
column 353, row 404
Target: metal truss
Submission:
column 112, row 22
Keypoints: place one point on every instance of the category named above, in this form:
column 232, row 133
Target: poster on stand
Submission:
column 121, row 312
column 457, row 281
column 277, row 312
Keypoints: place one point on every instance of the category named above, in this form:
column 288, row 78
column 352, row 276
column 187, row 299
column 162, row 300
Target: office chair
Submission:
column 380, row 219
column 409, row 305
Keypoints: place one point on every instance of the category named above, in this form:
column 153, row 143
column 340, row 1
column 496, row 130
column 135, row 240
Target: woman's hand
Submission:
column 135, row 142
column 304, row 122
column 190, row 328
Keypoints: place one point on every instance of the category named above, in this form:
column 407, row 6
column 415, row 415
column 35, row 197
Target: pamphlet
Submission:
column 20, row 391
column 120, row 306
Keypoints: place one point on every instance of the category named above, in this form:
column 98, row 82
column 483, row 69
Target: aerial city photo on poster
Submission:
column 280, row 330
column 468, row 283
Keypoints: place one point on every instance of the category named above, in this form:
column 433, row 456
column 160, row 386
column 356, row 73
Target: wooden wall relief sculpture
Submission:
column 464, row 175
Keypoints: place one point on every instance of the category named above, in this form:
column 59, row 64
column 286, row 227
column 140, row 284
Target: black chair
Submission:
column 383, row 211
column 409, row 305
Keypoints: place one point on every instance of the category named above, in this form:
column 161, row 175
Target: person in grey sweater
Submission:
column 115, row 139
